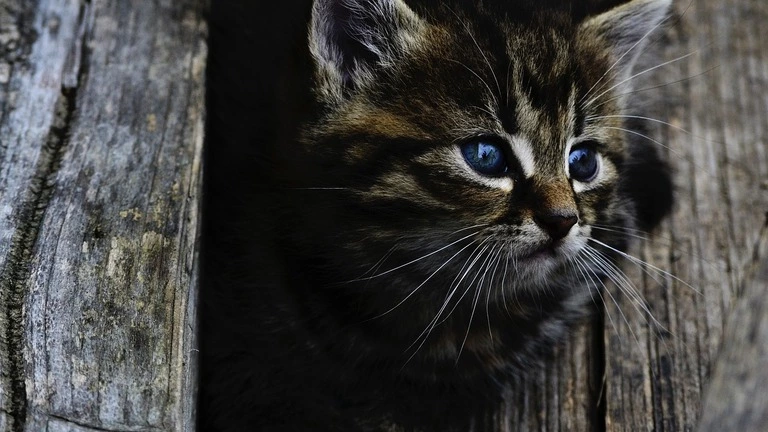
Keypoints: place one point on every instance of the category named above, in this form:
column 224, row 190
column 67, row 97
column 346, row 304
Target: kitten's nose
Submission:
column 556, row 223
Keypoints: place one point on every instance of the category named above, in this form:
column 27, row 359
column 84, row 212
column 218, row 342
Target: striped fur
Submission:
column 411, row 286
column 386, row 140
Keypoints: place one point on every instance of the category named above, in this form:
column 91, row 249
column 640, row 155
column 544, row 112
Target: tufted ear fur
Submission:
column 626, row 28
column 348, row 39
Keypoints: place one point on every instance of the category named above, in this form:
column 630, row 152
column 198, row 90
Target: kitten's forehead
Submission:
column 536, row 76
column 471, row 76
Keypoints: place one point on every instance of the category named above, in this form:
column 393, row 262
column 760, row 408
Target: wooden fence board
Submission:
column 714, row 102
column 101, row 170
column 736, row 399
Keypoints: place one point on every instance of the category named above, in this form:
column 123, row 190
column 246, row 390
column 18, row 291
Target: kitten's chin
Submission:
column 540, row 263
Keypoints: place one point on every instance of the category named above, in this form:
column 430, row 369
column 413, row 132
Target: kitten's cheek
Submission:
column 573, row 246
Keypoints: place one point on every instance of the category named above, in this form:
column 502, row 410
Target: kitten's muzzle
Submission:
column 552, row 204
column 556, row 223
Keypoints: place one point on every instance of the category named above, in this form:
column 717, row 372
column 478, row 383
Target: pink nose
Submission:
column 556, row 224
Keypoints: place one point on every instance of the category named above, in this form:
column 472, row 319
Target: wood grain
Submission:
column 563, row 396
column 658, row 367
column 101, row 138
column 736, row 398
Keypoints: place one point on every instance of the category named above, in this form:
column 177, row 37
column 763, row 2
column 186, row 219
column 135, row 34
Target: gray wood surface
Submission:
column 737, row 399
column 717, row 142
column 101, row 132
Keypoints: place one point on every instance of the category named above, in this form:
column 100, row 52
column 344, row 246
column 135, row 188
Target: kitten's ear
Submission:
column 626, row 28
column 349, row 38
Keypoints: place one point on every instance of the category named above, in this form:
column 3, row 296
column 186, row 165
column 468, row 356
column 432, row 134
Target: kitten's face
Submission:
column 466, row 148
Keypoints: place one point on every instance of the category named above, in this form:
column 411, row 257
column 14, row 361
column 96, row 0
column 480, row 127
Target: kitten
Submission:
column 420, row 239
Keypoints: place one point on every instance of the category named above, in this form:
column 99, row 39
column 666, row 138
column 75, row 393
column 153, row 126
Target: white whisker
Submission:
column 478, row 77
column 480, row 50
column 618, row 307
column 687, row 132
column 509, row 66
column 666, row 241
column 643, row 72
column 374, row 268
column 628, row 288
column 627, row 52
column 424, row 335
column 641, row 262
column 425, row 281
column 422, row 257
column 475, row 300
column 624, row 284
column 671, row 150
column 469, row 286
column 644, row 89
column 584, row 269
column 497, row 259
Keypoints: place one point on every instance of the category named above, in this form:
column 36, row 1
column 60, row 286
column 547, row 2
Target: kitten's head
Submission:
column 465, row 141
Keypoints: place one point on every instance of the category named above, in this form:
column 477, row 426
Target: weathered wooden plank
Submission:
column 101, row 136
column 34, row 63
column 736, row 399
column 561, row 397
column 715, row 141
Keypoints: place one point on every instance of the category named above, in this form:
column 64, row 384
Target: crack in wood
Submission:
column 13, row 288
column 92, row 427
column 597, row 381
column 13, row 280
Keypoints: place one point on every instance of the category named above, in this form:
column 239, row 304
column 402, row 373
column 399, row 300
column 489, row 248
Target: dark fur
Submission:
column 287, row 343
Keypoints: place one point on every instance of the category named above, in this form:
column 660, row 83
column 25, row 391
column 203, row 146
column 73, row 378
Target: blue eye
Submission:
column 485, row 157
column 582, row 164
